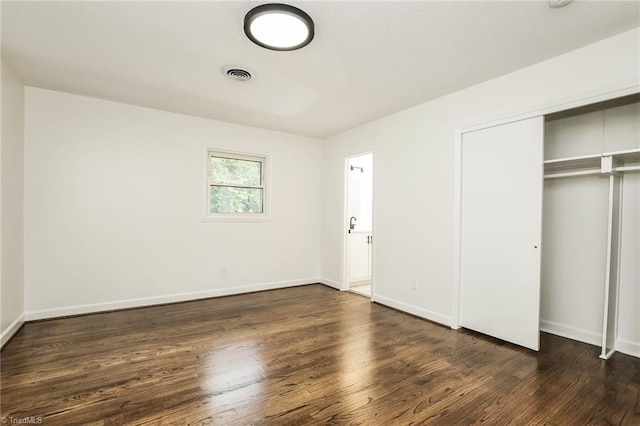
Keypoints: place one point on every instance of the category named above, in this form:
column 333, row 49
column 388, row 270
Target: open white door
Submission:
column 502, row 181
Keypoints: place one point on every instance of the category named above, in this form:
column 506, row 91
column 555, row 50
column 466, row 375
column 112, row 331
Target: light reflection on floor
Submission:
column 234, row 373
column 357, row 356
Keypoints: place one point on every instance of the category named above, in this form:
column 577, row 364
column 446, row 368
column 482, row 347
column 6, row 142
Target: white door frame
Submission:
column 344, row 286
column 599, row 96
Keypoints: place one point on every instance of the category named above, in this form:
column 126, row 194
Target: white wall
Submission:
column 414, row 158
column 629, row 308
column 574, row 254
column 12, row 152
column 114, row 199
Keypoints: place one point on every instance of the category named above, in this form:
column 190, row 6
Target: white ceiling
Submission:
column 368, row 58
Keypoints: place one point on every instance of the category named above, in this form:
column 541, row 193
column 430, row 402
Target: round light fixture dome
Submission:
column 278, row 27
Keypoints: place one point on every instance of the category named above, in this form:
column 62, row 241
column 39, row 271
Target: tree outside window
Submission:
column 236, row 184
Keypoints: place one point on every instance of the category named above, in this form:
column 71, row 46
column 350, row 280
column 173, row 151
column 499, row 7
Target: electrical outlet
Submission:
column 223, row 271
column 414, row 284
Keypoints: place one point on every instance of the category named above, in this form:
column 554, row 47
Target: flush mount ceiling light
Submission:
column 278, row 27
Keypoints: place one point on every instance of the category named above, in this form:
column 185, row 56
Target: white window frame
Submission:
column 237, row 216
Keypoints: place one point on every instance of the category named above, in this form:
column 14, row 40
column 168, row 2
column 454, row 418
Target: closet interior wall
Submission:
column 576, row 217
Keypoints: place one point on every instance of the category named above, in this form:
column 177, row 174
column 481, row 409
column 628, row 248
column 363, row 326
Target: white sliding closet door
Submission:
column 502, row 181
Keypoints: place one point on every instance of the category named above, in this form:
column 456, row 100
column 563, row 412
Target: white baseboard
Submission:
column 13, row 328
column 621, row 345
column 570, row 332
column 331, row 283
column 414, row 310
column 628, row 347
column 158, row 300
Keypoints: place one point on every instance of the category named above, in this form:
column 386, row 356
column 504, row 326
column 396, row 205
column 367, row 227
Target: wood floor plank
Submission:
column 297, row 356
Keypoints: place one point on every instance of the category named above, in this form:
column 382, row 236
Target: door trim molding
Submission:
column 623, row 89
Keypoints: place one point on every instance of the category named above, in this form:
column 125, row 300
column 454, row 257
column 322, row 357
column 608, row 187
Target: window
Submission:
column 236, row 185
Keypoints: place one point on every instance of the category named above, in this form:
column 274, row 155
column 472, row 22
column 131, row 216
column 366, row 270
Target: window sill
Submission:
column 223, row 218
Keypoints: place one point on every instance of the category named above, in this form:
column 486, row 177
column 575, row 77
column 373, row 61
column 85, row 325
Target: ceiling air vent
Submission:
column 558, row 3
column 238, row 74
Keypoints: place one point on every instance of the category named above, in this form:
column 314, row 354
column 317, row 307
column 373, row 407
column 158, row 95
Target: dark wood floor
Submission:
column 304, row 355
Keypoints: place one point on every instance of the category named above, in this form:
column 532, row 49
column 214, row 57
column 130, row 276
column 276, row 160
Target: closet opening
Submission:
column 591, row 225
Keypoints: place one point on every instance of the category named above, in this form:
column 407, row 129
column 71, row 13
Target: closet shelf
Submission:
column 623, row 161
column 572, row 164
column 625, row 157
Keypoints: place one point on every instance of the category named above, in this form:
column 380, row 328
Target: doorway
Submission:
column 358, row 262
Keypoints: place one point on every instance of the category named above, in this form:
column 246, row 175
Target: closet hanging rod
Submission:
column 570, row 159
column 627, row 169
column 570, row 174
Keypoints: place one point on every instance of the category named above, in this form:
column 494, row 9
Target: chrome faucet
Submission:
column 352, row 223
